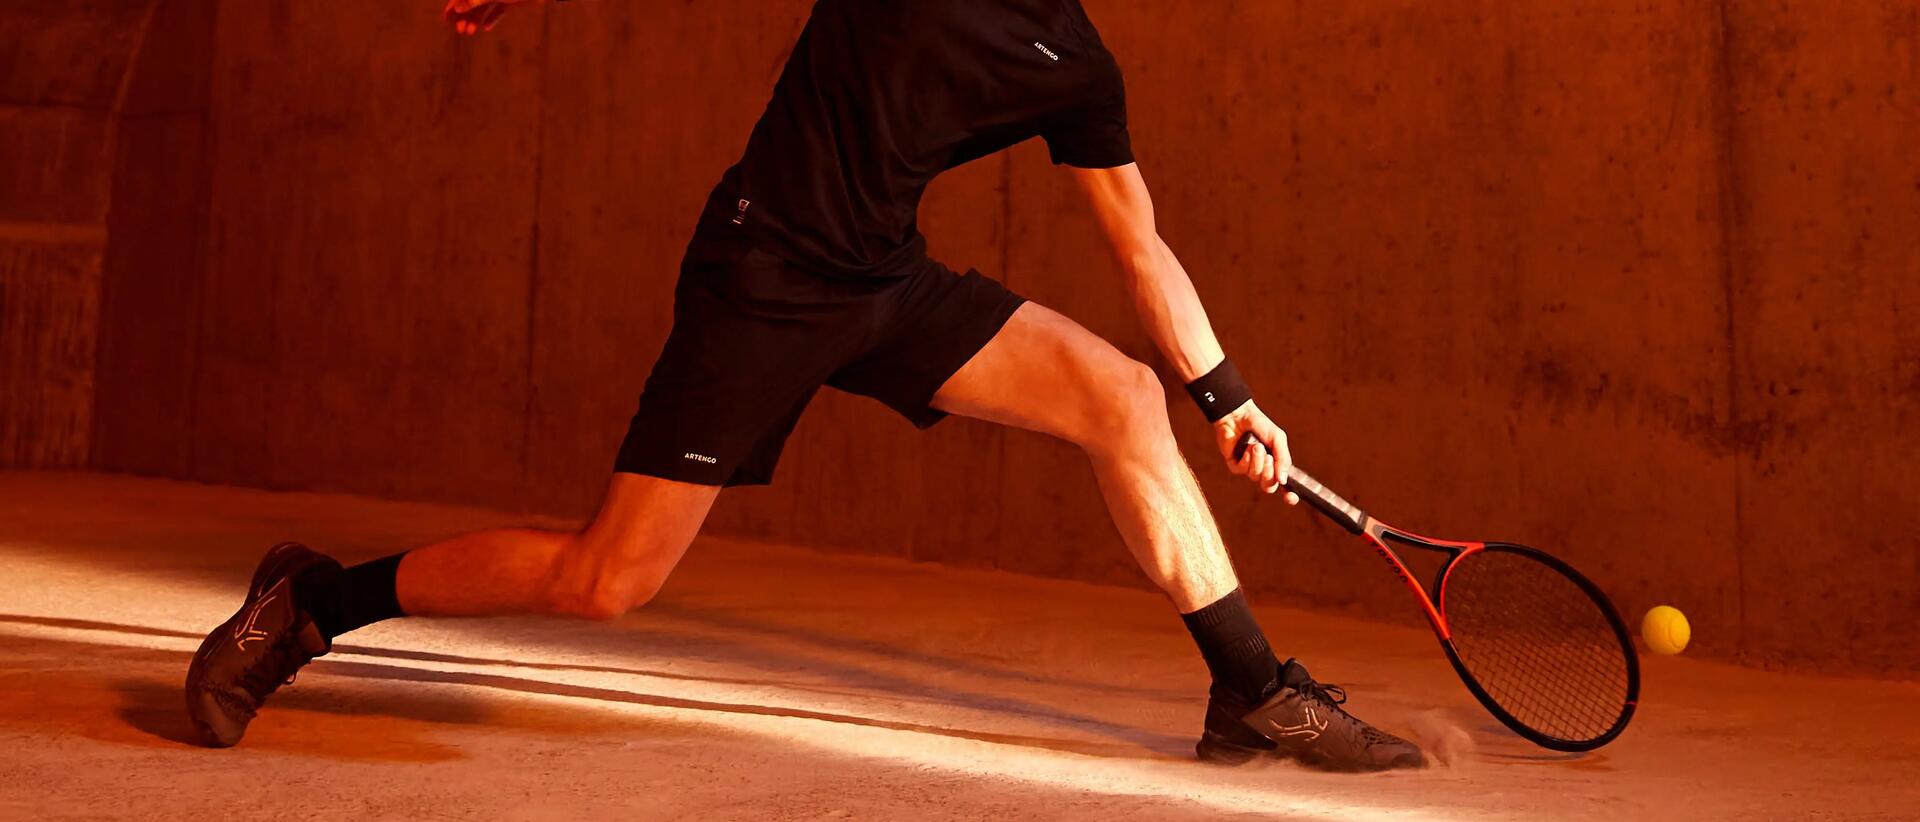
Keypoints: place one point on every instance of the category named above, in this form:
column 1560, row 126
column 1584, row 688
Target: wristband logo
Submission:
column 1209, row 395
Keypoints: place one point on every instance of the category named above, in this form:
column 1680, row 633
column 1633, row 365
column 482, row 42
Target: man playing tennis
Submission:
column 807, row 269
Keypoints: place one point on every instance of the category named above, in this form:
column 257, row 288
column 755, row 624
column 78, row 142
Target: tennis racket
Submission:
column 1537, row 643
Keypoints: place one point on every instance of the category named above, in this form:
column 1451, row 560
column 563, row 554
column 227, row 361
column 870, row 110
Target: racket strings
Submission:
column 1538, row 644
column 1546, row 670
column 1539, row 659
column 1547, row 681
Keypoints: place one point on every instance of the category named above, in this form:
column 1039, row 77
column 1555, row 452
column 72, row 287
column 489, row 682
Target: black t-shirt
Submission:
column 880, row 96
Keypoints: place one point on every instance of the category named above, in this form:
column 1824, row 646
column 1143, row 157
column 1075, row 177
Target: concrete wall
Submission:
column 1633, row 281
column 63, row 72
column 1823, row 283
column 156, row 264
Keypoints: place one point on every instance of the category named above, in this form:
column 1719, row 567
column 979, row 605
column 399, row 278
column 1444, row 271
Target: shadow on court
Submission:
column 156, row 708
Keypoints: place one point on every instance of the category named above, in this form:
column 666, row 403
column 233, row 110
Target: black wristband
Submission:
column 1220, row 392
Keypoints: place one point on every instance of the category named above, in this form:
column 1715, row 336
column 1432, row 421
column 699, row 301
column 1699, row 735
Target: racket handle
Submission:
column 1322, row 498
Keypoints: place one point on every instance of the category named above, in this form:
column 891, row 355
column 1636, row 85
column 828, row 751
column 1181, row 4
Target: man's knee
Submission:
column 1130, row 408
column 594, row 583
column 602, row 603
column 1143, row 403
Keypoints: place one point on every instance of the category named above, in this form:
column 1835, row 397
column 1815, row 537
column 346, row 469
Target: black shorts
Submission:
column 753, row 338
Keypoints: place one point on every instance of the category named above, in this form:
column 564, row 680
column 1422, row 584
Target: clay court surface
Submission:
column 774, row 683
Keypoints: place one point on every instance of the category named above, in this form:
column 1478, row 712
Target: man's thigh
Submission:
column 1044, row 372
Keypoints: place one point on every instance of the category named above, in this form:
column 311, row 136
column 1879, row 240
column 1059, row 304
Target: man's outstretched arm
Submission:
column 1164, row 297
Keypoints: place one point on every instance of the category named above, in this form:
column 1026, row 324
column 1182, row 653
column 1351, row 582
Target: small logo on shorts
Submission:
column 700, row 458
column 740, row 215
column 1046, row 51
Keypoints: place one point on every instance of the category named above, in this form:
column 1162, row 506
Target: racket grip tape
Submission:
column 1322, row 498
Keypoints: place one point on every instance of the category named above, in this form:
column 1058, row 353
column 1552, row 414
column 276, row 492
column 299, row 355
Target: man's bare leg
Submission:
column 1044, row 372
column 617, row 562
column 302, row 599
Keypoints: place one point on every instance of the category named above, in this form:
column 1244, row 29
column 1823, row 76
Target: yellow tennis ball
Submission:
column 1665, row 629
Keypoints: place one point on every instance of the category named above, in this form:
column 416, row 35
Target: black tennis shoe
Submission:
column 1302, row 721
column 252, row 654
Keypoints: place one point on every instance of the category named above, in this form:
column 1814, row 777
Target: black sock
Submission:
column 1235, row 649
column 341, row 601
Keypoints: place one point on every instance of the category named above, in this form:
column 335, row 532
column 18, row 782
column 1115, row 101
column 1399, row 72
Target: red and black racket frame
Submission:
column 1379, row 534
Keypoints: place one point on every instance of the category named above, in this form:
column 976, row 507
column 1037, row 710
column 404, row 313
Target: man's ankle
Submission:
column 1234, row 647
column 342, row 600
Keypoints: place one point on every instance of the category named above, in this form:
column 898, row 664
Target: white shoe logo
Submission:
column 1308, row 731
column 245, row 632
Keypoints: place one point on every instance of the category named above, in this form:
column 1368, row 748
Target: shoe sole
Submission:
column 1214, row 750
column 197, row 697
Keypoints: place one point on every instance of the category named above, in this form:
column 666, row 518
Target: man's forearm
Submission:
column 1168, row 306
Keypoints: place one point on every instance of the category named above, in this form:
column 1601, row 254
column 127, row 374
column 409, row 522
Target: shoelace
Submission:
column 1330, row 694
column 1335, row 696
column 263, row 677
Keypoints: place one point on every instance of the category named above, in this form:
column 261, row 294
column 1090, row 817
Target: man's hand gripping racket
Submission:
column 472, row 17
column 1264, row 466
column 1537, row 643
